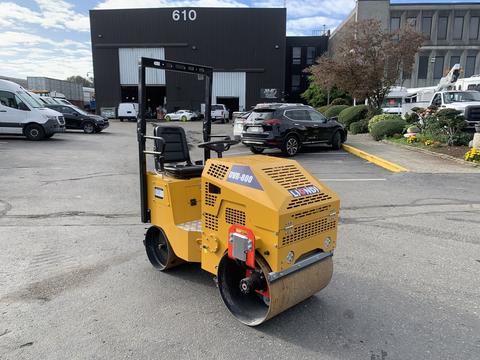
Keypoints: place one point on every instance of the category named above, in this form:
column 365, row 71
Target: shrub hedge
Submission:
column 352, row 114
column 359, row 127
column 340, row 101
column 323, row 109
column 385, row 128
column 381, row 117
column 334, row 110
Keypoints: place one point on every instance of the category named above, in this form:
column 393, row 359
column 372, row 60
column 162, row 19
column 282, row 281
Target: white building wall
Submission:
column 128, row 60
column 230, row 84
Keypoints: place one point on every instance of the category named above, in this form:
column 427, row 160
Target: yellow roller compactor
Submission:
column 262, row 226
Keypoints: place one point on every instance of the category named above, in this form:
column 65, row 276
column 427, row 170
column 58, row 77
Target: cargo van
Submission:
column 22, row 114
column 127, row 111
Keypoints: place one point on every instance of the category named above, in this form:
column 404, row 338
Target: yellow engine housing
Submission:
column 281, row 222
column 273, row 197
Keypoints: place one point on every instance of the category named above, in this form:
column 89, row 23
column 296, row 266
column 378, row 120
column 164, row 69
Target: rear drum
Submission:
column 158, row 249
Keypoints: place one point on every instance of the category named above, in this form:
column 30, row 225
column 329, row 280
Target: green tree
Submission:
column 368, row 60
column 317, row 96
column 77, row 79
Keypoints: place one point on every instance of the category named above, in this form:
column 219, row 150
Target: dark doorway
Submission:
column 231, row 103
column 155, row 95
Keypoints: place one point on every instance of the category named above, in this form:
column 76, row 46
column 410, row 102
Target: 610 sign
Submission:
column 184, row 15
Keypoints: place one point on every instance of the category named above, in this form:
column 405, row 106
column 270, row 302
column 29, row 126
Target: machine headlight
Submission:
column 51, row 117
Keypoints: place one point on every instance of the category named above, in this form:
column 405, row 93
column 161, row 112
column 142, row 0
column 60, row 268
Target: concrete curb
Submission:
column 374, row 159
column 425, row 151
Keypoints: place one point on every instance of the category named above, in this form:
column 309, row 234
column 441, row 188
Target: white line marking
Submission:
column 341, row 180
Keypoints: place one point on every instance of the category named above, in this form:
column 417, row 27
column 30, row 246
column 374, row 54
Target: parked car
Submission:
column 239, row 119
column 182, row 115
column 62, row 101
column 127, row 111
column 78, row 119
column 44, row 100
column 289, row 127
column 22, row 114
column 219, row 112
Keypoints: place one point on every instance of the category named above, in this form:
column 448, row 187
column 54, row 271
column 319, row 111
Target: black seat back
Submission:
column 176, row 146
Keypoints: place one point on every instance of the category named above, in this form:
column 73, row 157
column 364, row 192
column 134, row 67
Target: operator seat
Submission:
column 176, row 156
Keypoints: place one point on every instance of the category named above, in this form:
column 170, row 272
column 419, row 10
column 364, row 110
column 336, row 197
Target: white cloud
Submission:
column 53, row 67
column 57, row 14
column 305, row 26
column 26, row 54
column 21, row 39
column 302, row 8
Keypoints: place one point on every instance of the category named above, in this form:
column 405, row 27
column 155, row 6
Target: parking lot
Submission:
column 75, row 282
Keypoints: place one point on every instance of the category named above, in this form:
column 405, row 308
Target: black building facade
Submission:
column 246, row 48
column 301, row 52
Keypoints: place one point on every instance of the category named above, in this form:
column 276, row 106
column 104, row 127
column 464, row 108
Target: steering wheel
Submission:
column 219, row 146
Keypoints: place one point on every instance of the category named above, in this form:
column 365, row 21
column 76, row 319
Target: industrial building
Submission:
column 22, row 82
column 301, row 53
column 54, row 87
column 247, row 47
column 73, row 92
column 451, row 35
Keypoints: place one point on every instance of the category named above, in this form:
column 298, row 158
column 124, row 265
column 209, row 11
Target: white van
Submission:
column 22, row 114
column 127, row 111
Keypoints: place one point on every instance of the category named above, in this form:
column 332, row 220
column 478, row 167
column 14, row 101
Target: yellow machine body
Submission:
column 291, row 214
column 175, row 207
column 281, row 223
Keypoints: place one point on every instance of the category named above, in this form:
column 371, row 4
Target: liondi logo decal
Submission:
column 303, row 191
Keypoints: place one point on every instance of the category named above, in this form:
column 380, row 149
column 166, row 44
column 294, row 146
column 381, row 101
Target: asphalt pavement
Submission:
column 75, row 282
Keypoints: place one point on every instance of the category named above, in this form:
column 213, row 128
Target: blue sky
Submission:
column 52, row 38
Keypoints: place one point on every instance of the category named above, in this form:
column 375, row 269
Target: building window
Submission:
column 296, row 55
column 311, row 54
column 474, row 28
column 427, row 26
column 442, row 28
column 412, row 21
column 295, row 83
column 454, row 60
column 394, row 24
column 470, row 66
column 458, row 28
column 422, row 67
column 438, row 67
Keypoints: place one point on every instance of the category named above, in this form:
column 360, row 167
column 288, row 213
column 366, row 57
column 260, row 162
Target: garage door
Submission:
column 128, row 60
column 229, row 84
